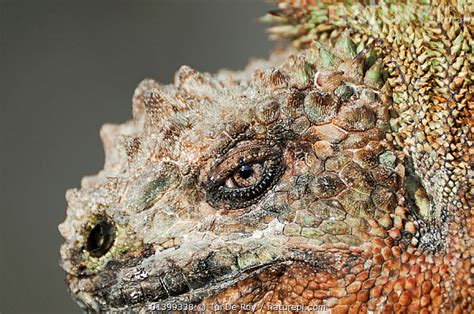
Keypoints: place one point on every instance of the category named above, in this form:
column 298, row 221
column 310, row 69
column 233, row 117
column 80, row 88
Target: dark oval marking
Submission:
column 100, row 239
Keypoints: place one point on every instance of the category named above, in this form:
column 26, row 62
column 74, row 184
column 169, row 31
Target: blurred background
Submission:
column 67, row 67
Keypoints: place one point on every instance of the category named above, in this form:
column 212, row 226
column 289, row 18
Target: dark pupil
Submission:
column 100, row 239
column 245, row 171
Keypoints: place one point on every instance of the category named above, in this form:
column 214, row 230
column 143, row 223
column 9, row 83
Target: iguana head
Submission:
column 274, row 185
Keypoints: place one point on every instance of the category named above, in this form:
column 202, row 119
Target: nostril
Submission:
column 100, row 239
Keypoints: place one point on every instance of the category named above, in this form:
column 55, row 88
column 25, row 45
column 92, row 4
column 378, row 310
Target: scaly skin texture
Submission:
column 335, row 175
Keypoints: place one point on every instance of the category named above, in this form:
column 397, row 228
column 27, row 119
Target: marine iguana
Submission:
column 336, row 174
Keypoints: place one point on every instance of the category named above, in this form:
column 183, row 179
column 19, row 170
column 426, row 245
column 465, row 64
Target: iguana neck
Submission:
column 426, row 53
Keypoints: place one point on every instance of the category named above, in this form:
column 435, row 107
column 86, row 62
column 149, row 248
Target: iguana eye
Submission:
column 244, row 175
column 100, row 239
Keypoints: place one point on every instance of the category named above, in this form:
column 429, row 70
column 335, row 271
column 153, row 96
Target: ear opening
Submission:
column 418, row 200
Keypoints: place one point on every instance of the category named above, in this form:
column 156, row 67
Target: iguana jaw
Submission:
column 135, row 296
column 134, row 290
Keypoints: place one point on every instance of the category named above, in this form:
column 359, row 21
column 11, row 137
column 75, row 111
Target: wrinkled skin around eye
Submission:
column 244, row 175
